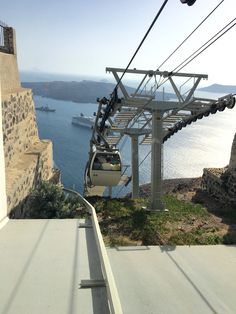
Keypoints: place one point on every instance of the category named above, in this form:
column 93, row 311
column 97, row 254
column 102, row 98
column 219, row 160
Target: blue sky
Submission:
column 83, row 37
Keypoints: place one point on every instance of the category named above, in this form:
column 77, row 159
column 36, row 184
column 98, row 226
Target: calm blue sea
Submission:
column 206, row 143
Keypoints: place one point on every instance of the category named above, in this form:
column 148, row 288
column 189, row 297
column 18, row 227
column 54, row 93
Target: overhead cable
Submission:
column 200, row 50
column 190, row 35
column 114, row 96
column 229, row 28
column 144, row 38
column 180, row 45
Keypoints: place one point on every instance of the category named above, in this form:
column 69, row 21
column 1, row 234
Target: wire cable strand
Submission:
column 190, row 35
column 144, row 38
column 209, row 45
column 208, row 41
column 114, row 96
column 200, row 50
column 180, row 45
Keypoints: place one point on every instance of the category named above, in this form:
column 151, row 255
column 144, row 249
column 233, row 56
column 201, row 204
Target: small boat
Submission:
column 83, row 120
column 45, row 108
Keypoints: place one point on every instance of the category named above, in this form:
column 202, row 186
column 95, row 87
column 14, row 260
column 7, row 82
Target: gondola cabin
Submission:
column 105, row 168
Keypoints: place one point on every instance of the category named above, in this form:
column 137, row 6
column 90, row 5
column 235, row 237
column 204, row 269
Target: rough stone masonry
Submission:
column 221, row 182
column 28, row 160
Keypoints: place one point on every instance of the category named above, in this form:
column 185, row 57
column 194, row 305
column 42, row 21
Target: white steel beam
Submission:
column 156, row 163
column 152, row 73
column 135, row 169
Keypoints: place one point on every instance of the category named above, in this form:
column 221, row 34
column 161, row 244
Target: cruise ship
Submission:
column 83, row 120
column 45, row 108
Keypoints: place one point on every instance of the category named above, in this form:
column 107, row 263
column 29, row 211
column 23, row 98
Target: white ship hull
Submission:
column 83, row 121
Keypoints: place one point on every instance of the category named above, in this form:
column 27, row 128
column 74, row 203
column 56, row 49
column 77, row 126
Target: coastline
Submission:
column 189, row 190
column 175, row 185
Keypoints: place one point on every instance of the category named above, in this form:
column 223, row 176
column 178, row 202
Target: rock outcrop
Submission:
column 221, row 182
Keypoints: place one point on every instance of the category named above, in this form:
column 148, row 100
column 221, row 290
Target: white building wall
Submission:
column 3, row 198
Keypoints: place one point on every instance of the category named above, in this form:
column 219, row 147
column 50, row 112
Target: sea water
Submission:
column 205, row 143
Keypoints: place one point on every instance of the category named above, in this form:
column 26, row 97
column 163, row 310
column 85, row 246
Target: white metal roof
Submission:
column 166, row 280
column 42, row 263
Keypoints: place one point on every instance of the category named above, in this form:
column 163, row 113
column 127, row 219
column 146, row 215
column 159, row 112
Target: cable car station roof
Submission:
column 43, row 263
column 182, row 279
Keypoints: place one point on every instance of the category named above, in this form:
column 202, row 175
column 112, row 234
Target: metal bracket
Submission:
column 85, row 225
column 92, row 283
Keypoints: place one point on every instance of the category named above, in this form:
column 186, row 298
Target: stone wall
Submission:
column 221, row 182
column 19, row 123
column 28, row 160
column 33, row 166
column 3, row 198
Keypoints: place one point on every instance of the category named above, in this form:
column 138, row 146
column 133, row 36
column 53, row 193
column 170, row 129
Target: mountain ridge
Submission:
column 86, row 91
column 219, row 88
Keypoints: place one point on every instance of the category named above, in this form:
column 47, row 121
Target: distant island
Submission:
column 80, row 92
column 217, row 88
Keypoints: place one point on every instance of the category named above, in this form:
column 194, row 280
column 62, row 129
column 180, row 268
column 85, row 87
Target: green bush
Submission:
column 49, row 201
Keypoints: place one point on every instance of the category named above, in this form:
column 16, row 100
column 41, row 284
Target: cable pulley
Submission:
column 188, row 2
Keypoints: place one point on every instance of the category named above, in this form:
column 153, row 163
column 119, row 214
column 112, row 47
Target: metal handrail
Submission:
column 2, row 44
column 6, row 40
column 113, row 297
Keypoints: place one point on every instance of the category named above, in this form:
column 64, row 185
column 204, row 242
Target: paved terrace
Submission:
column 171, row 280
column 42, row 263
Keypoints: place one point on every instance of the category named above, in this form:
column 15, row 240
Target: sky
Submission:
column 83, row 37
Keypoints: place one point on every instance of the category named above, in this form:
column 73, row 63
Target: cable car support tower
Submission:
column 139, row 114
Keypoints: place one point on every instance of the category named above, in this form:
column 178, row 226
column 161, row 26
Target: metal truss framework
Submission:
column 139, row 114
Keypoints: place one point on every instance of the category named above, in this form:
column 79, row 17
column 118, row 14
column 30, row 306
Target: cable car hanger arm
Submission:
column 188, row 2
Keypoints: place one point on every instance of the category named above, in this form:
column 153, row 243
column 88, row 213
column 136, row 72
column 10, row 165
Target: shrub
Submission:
column 49, row 201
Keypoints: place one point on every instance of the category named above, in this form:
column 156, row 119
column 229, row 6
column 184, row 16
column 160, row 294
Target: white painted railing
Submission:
column 112, row 293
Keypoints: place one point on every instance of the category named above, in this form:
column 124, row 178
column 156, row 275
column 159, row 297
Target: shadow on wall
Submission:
column 18, row 211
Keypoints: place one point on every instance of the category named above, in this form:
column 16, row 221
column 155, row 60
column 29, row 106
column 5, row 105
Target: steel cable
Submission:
column 180, row 45
column 200, row 50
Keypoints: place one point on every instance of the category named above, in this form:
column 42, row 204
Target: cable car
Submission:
column 105, row 168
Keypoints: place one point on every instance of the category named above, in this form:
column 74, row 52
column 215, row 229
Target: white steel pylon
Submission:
column 158, row 119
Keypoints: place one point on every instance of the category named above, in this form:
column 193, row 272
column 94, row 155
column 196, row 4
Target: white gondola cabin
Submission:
column 105, row 168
